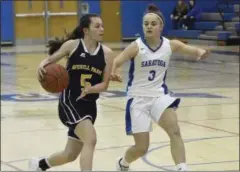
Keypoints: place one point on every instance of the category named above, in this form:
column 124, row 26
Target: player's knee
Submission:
column 174, row 131
column 91, row 141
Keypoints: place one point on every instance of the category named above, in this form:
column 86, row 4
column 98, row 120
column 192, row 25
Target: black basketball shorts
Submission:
column 71, row 112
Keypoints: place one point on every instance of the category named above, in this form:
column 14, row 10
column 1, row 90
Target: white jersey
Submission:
column 148, row 70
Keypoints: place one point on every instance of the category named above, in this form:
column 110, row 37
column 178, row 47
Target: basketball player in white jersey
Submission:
column 148, row 97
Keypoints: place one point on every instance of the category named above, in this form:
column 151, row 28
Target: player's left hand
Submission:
column 84, row 92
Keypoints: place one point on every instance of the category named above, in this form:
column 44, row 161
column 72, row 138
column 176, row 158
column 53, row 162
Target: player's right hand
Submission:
column 41, row 70
column 116, row 77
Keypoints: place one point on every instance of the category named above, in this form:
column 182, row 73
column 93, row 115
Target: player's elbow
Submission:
column 105, row 86
column 117, row 63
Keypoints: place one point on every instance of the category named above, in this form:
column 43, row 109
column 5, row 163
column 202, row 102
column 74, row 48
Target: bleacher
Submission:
column 219, row 23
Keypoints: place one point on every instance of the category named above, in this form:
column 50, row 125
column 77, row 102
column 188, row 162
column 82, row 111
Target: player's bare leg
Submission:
column 168, row 122
column 87, row 133
column 69, row 154
column 133, row 153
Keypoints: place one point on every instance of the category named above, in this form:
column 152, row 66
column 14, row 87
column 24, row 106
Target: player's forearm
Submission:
column 116, row 65
column 116, row 68
column 49, row 60
column 194, row 52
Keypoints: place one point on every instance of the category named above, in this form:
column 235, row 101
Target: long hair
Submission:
column 77, row 33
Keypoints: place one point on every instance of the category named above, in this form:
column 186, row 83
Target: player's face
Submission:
column 96, row 29
column 152, row 26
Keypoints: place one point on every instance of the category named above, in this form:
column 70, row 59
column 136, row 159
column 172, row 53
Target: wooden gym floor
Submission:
column 208, row 115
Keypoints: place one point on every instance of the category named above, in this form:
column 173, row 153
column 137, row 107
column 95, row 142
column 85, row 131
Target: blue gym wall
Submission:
column 94, row 6
column 7, row 21
column 131, row 14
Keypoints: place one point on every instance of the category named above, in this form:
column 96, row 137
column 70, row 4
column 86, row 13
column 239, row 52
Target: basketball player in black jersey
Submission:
column 89, row 67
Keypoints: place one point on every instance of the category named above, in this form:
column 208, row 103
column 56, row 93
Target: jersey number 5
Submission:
column 152, row 75
column 83, row 79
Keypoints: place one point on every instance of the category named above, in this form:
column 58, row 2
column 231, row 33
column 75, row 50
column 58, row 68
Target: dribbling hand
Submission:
column 41, row 71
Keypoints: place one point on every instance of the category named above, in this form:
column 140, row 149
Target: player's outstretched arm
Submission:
column 194, row 52
column 130, row 52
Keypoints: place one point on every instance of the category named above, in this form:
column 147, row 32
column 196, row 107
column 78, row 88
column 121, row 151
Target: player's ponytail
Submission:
column 77, row 33
column 154, row 9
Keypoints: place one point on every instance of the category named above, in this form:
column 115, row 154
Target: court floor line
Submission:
column 54, row 116
column 36, row 116
column 215, row 87
column 207, row 163
column 198, row 88
column 58, row 129
column 120, row 109
column 12, row 65
column 14, row 52
column 203, row 69
column 11, row 166
column 213, row 128
column 186, row 106
column 120, row 125
column 208, row 61
column 151, row 143
column 145, row 159
column 192, row 88
column 14, row 84
column 105, row 105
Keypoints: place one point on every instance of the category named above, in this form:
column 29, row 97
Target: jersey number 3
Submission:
column 152, row 75
column 83, row 79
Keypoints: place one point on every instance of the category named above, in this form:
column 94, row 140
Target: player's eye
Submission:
column 154, row 23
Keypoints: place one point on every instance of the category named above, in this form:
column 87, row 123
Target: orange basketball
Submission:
column 56, row 78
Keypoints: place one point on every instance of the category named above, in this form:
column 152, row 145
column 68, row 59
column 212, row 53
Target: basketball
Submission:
column 56, row 78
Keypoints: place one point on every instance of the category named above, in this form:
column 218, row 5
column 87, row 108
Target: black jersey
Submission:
column 84, row 68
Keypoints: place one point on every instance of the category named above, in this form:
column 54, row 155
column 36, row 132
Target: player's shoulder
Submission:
column 134, row 46
column 106, row 49
column 71, row 44
column 108, row 53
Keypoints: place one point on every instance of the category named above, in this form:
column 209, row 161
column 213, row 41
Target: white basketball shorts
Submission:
column 140, row 111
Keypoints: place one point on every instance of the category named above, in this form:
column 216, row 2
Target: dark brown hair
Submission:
column 154, row 9
column 77, row 33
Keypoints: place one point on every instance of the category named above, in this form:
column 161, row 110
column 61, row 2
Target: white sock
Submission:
column 124, row 162
column 182, row 167
column 46, row 159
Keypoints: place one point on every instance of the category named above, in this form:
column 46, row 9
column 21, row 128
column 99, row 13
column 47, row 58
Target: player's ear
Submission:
column 85, row 30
